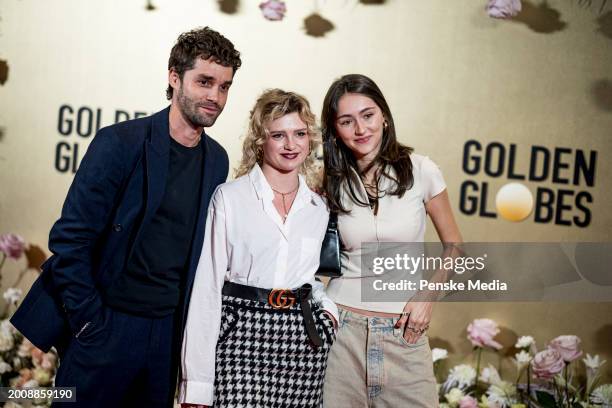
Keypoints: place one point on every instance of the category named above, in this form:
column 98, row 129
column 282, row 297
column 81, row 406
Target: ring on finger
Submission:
column 415, row 330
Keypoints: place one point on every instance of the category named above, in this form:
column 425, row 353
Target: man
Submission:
column 114, row 295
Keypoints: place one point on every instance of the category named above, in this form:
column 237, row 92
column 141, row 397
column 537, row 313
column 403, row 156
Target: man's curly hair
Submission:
column 202, row 43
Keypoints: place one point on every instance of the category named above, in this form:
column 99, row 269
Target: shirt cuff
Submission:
column 195, row 392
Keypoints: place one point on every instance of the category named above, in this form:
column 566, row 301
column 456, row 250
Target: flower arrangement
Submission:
column 21, row 364
column 548, row 378
column 503, row 8
column 273, row 10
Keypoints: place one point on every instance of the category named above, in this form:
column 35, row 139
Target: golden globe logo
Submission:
column 514, row 202
column 571, row 172
column 75, row 126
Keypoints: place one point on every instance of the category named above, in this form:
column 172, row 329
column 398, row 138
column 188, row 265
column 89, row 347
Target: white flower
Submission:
column 454, row 396
column 17, row 364
column 603, row 395
column 521, row 359
column 490, row 375
column 7, row 327
column 593, row 362
column 484, row 402
column 438, row 354
column 42, row 376
column 524, row 342
column 31, row 384
column 5, row 367
column 503, row 394
column 461, row 376
column 6, row 341
column 12, row 295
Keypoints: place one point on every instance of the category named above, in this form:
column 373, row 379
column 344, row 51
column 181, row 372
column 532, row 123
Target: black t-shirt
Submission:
column 152, row 281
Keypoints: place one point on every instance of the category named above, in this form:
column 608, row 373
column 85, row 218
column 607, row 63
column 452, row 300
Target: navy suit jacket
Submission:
column 114, row 194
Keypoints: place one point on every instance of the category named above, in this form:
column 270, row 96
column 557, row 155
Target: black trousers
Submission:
column 122, row 360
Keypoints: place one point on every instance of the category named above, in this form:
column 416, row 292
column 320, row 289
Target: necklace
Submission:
column 283, row 198
column 373, row 194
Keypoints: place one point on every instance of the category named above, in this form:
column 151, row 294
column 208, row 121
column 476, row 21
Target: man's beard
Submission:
column 189, row 108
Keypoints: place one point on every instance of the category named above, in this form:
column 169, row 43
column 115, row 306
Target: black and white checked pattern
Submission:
column 265, row 357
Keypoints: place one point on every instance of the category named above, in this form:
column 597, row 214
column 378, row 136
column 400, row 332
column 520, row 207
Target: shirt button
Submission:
column 117, row 227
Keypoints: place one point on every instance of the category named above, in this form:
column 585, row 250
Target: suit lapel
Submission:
column 157, row 152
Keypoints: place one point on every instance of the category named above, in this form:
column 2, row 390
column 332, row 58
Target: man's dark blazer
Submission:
column 115, row 193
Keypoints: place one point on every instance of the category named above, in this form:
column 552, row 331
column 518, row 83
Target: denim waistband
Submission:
column 347, row 316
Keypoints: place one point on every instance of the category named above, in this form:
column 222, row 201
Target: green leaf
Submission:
column 546, row 400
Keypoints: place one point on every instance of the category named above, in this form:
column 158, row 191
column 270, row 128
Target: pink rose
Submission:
column 481, row 333
column 568, row 346
column 48, row 361
column 12, row 245
column 503, row 8
column 273, row 9
column 37, row 356
column 25, row 375
column 25, row 348
column 547, row 363
column 468, row 402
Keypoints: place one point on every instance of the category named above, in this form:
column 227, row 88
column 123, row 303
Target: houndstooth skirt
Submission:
column 265, row 357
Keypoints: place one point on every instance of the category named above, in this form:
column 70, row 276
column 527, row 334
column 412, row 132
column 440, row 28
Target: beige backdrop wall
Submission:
column 449, row 72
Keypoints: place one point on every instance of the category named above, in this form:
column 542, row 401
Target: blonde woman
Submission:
column 260, row 326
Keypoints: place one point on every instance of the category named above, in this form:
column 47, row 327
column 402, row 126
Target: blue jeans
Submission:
column 371, row 365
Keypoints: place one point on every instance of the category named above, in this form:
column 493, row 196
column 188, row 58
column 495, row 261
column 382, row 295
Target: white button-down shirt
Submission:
column 247, row 242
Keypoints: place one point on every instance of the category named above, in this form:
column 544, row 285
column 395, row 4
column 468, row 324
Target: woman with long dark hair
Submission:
column 382, row 192
column 260, row 326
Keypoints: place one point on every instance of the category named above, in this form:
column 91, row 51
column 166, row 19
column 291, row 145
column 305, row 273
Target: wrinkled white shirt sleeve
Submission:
column 320, row 297
column 204, row 316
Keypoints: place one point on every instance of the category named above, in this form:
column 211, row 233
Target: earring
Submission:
column 385, row 125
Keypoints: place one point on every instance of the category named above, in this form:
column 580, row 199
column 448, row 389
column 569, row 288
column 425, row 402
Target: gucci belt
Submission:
column 280, row 300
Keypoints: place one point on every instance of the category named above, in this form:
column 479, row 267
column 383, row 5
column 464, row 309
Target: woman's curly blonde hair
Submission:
column 271, row 105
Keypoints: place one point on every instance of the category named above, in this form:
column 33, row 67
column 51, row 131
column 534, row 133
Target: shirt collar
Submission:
column 264, row 190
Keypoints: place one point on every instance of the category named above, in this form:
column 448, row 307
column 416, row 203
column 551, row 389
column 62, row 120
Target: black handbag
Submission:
column 329, row 262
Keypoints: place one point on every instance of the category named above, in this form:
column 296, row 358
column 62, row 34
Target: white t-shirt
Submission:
column 398, row 220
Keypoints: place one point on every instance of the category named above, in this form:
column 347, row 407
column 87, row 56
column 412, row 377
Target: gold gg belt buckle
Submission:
column 281, row 298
